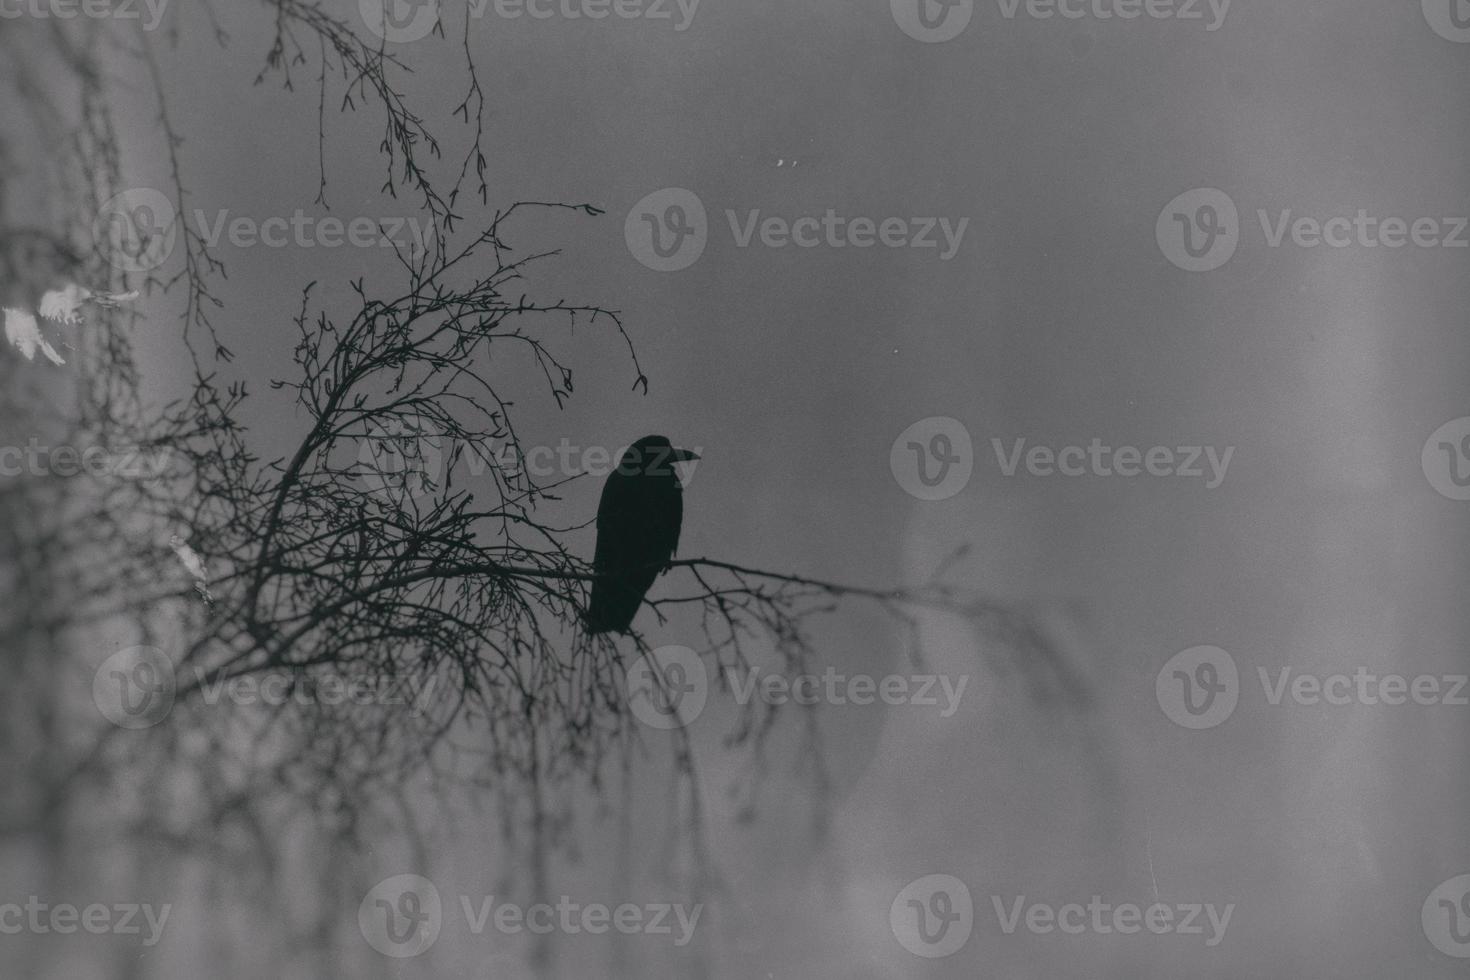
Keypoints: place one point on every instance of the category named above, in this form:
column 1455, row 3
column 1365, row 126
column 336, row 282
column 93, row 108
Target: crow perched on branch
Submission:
column 638, row 523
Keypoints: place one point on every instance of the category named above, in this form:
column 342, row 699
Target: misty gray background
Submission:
column 1058, row 321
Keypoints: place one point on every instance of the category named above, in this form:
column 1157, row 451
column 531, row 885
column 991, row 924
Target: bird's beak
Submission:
column 683, row 455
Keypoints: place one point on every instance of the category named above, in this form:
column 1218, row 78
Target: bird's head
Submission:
column 653, row 456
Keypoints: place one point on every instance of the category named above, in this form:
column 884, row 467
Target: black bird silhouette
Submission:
column 638, row 524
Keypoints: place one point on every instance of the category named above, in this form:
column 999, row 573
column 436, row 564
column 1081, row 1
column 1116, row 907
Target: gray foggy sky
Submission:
column 1058, row 320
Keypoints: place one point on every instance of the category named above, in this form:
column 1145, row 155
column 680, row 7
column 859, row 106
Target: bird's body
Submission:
column 638, row 521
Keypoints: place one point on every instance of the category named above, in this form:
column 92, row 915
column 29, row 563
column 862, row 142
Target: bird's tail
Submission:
column 611, row 610
column 596, row 622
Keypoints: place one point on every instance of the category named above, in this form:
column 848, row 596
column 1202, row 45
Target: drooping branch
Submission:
column 325, row 566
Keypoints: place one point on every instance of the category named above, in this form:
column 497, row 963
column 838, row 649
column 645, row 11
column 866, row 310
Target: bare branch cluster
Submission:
column 324, row 568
